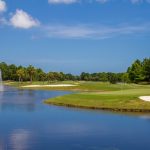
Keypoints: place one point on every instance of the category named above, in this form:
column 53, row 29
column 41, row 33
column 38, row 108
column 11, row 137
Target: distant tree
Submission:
column 31, row 72
column 103, row 76
column 94, row 77
column 135, row 72
column 77, row 77
column 59, row 76
column 85, row 76
column 50, row 77
column 69, row 76
column 12, row 69
column 37, row 74
column 139, row 71
column 146, row 69
column 112, row 77
column 4, row 69
column 20, row 74
column 125, row 78
column 42, row 76
column 26, row 75
column 119, row 77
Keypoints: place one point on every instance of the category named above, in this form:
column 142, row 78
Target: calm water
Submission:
column 28, row 124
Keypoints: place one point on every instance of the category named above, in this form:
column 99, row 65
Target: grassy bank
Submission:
column 125, row 100
column 118, row 97
column 99, row 95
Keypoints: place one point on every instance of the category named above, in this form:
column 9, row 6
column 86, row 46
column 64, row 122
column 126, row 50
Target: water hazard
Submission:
column 28, row 124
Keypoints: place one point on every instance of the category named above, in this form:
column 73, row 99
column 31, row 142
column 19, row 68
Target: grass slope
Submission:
column 118, row 97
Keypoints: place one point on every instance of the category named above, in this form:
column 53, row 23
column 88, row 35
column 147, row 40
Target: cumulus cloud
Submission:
column 62, row 1
column 2, row 6
column 22, row 19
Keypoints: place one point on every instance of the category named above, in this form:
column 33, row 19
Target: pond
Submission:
column 26, row 123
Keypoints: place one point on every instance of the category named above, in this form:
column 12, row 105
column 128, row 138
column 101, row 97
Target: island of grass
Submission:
column 125, row 100
column 118, row 97
column 98, row 95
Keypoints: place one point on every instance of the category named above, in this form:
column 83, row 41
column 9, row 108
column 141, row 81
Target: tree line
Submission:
column 139, row 71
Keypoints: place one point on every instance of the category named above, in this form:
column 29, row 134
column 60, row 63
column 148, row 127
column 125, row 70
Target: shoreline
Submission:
column 98, row 108
column 98, row 95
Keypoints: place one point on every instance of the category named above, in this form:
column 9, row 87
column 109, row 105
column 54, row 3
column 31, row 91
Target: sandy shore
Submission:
column 51, row 85
column 145, row 98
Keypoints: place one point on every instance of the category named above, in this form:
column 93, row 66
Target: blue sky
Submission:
column 75, row 35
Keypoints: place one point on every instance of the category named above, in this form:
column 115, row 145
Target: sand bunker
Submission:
column 51, row 85
column 145, row 98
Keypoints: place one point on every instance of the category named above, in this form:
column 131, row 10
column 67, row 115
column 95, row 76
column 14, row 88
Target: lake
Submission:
column 26, row 123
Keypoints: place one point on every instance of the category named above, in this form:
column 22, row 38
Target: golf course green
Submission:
column 98, row 95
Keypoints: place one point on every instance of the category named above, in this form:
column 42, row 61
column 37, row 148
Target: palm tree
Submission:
column 20, row 74
column 31, row 72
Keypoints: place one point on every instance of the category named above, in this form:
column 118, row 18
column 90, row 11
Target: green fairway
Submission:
column 81, row 86
column 119, row 97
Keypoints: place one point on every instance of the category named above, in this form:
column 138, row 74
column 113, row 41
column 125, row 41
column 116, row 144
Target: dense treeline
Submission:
column 139, row 71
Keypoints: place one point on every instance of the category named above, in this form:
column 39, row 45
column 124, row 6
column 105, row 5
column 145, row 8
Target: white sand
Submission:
column 51, row 85
column 145, row 98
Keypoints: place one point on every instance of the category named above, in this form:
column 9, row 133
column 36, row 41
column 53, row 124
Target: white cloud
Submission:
column 2, row 6
column 91, row 1
column 75, row 1
column 62, row 1
column 93, row 31
column 102, row 1
column 21, row 19
column 64, row 31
